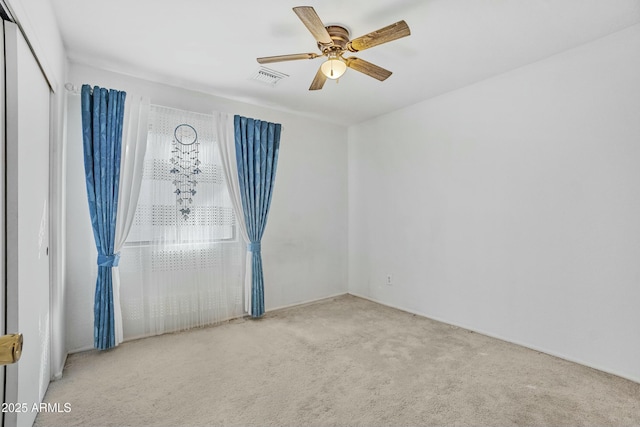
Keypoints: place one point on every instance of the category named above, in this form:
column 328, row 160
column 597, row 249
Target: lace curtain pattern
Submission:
column 177, row 271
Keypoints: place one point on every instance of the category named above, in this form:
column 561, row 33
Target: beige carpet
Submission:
column 344, row 361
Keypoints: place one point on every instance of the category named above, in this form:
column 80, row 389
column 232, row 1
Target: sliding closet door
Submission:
column 27, row 216
column 3, row 237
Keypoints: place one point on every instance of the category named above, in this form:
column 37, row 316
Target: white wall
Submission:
column 512, row 207
column 304, row 247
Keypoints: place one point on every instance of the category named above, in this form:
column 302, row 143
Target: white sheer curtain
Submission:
column 226, row 143
column 178, row 273
column 134, row 144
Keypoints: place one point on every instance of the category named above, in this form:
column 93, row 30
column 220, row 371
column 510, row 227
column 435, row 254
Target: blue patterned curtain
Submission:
column 102, row 116
column 257, row 146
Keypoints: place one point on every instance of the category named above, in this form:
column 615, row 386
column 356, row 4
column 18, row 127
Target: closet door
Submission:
column 27, row 216
column 3, row 238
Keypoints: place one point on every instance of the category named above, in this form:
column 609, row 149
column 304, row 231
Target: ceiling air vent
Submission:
column 268, row 76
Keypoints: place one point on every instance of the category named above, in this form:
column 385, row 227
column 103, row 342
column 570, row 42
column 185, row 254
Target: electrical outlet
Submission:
column 389, row 280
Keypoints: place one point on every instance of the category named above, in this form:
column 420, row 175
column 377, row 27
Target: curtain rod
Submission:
column 71, row 88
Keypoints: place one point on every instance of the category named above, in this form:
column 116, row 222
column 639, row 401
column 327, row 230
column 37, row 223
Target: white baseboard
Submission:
column 488, row 334
column 129, row 339
column 447, row 322
column 80, row 350
column 312, row 301
column 57, row 372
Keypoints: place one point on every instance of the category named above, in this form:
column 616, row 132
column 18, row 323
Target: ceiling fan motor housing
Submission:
column 340, row 37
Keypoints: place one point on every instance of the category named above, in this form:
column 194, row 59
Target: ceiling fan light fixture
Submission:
column 334, row 67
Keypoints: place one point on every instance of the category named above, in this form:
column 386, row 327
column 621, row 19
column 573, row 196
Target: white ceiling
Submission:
column 211, row 46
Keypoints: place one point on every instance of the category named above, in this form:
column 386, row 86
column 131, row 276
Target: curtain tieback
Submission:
column 254, row 247
column 108, row 260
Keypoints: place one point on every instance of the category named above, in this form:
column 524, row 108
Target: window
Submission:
column 181, row 268
column 159, row 215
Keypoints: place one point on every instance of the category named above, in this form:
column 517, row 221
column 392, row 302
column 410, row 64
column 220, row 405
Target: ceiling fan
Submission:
column 333, row 42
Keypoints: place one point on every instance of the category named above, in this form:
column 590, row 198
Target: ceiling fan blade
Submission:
column 312, row 21
column 281, row 58
column 383, row 35
column 318, row 80
column 368, row 68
